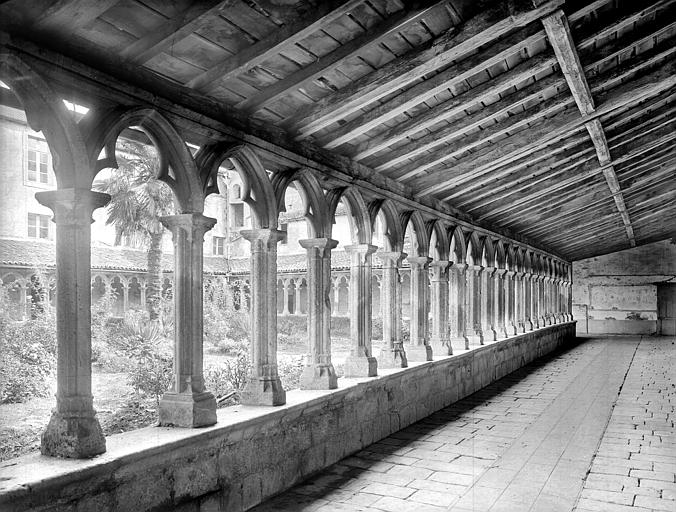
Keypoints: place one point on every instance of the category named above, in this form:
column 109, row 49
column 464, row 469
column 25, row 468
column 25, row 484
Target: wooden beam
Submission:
column 449, row 78
column 353, row 48
column 489, row 25
column 285, row 37
column 558, row 33
column 64, row 17
column 191, row 19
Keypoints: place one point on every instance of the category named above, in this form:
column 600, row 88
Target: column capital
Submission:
column 72, row 206
column 419, row 261
column 500, row 272
column 194, row 224
column 364, row 249
column 394, row 258
column 322, row 245
column 509, row 274
column 475, row 268
column 443, row 265
column 460, row 267
column 489, row 270
column 266, row 235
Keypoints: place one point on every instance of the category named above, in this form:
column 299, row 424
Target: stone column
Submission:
column 419, row 348
column 187, row 403
column 520, row 302
column 528, row 301
column 319, row 372
column 73, row 430
column 488, row 304
column 457, row 305
column 510, row 303
column 285, row 297
column 263, row 386
column 472, row 305
column 360, row 362
column 542, row 320
column 440, row 339
column 500, row 324
column 392, row 355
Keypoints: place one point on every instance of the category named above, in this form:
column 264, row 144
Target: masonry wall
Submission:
column 617, row 293
column 256, row 452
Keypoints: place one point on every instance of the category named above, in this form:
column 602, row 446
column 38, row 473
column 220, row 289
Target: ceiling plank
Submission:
column 353, row 48
column 66, row 16
column 191, row 19
column 283, row 38
column 447, row 79
column 487, row 26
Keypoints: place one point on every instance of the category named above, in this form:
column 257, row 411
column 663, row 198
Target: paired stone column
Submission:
column 319, row 372
column 187, row 403
column 392, row 355
column 263, row 386
column 419, row 348
column 500, row 324
column 73, row 430
column 458, row 305
column 510, row 303
column 285, row 297
column 528, row 301
column 473, row 305
column 543, row 301
column 440, row 339
column 488, row 303
column 520, row 302
column 360, row 362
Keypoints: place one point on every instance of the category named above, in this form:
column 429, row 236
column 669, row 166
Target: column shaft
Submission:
column 458, row 305
column 419, row 348
column 319, row 372
column 187, row 403
column 264, row 386
column 392, row 354
column 440, row 339
column 360, row 362
column 73, row 430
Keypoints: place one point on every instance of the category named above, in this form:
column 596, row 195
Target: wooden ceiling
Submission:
column 552, row 119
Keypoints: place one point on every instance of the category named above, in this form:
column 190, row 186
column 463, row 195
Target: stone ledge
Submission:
column 255, row 452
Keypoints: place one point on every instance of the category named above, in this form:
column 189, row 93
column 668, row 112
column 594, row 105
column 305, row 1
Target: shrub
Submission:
column 27, row 354
column 225, row 328
column 340, row 326
column 228, row 377
column 377, row 328
column 290, row 369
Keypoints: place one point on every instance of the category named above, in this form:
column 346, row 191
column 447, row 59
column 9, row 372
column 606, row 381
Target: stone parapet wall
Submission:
column 253, row 453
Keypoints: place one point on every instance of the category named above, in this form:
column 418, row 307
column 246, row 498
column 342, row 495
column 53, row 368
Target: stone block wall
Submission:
column 256, row 452
column 617, row 293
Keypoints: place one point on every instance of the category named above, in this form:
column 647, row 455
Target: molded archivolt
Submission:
column 500, row 257
column 488, row 253
column 358, row 216
column 314, row 200
column 458, row 247
column 422, row 231
column 440, row 249
column 257, row 191
column 45, row 112
column 474, row 246
column 176, row 165
column 394, row 237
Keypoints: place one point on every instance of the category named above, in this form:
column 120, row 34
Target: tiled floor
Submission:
column 527, row 443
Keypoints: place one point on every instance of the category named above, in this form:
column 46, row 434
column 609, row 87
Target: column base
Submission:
column 542, row 321
column 319, row 376
column 512, row 330
column 490, row 334
column 394, row 357
column 263, row 391
column 441, row 346
column 360, row 366
column 419, row 352
column 73, row 435
column 187, row 410
column 462, row 341
column 521, row 328
column 529, row 325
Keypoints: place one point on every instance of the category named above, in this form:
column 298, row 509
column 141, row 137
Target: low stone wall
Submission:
column 256, row 452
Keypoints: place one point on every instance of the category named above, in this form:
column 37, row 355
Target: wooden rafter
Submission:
column 281, row 39
column 373, row 36
column 485, row 27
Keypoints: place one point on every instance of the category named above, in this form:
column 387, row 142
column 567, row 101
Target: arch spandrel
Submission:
column 46, row 113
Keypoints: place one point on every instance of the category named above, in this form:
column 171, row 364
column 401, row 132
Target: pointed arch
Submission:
column 394, row 237
column 474, row 246
column 422, row 231
column 488, row 253
column 458, row 246
column 500, row 254
column 46, row 113
column 257, row 191
column 442, row 246
column 314, row 202
column 358, row 213
column 177, row 167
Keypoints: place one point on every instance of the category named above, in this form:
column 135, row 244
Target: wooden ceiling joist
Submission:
column 191, row 19
column 286, row 37
column 487, row 26
column 373, row 36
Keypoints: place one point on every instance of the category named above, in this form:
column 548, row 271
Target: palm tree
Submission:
column 138, row 200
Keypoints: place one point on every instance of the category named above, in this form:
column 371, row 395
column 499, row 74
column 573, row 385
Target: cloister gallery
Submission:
column 495, row 143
